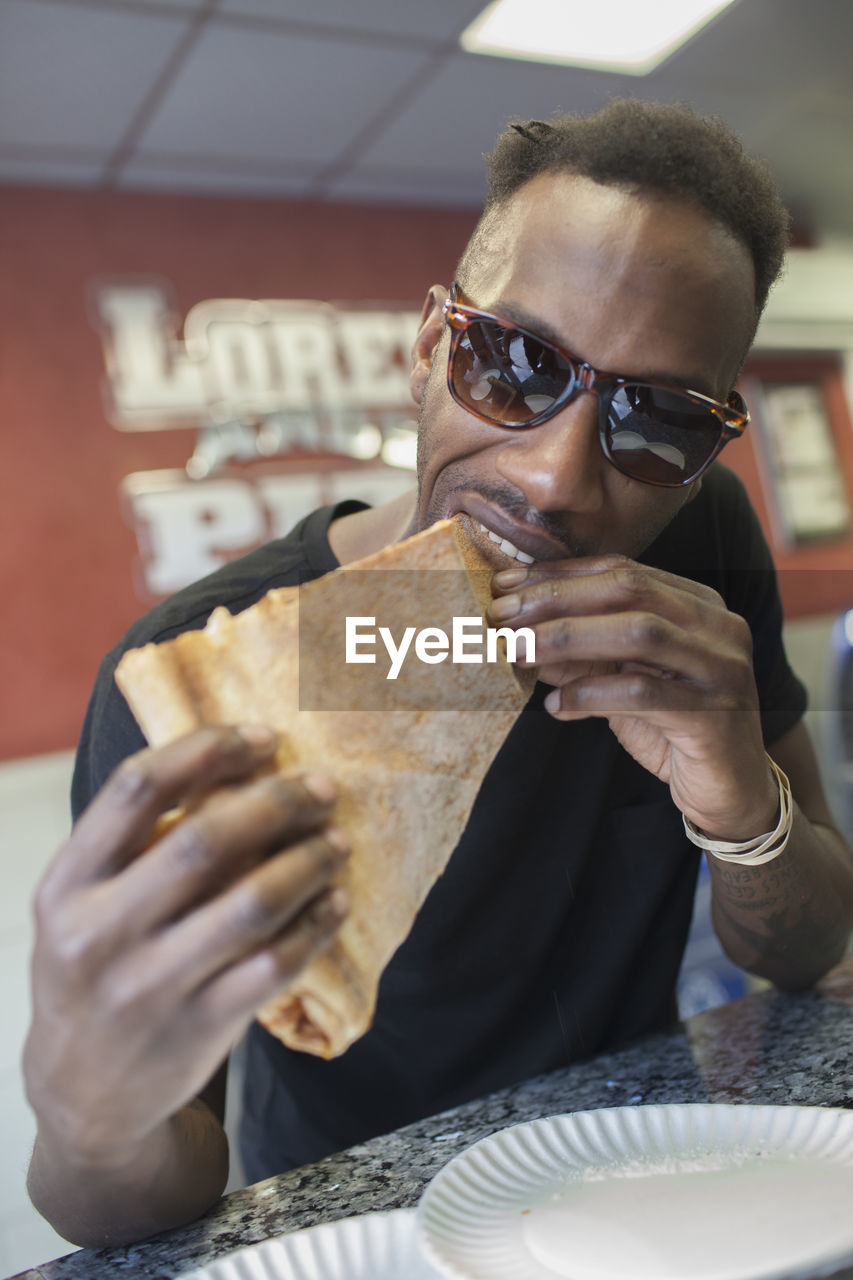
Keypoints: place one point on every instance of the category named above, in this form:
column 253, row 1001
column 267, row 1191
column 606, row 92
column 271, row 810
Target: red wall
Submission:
column 67, row 555
column 66, row 559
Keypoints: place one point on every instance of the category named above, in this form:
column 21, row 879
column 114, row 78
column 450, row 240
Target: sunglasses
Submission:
column 650, row 431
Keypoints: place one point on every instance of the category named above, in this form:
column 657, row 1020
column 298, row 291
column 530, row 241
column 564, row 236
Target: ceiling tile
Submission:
column 804, row 147
column 458, row 115
column 766, row 44
column 437, row 19
column 75, row 76
column 744, row 111
column 445, row 135
column 276, row 90
column 462, row 190
column 210, row 182
column 163, row 172
column 773, row 44
column 151, row 6
column 275, row 97
column 26, row 170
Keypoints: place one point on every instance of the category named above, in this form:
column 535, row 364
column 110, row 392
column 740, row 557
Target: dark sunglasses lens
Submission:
column 658, row 435
column 507, row 375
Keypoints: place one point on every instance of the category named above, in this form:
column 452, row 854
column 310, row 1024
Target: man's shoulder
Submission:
column 302, row 554
column 110, row 732
column 235, row 585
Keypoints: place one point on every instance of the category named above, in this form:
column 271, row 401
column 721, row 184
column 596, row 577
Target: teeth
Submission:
column 507, row 547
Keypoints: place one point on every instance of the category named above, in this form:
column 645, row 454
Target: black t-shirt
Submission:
column 558, row 927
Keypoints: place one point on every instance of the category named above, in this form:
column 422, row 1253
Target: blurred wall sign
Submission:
column 295, row 404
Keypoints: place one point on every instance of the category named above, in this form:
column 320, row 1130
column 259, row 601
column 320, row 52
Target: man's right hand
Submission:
column 156, row 942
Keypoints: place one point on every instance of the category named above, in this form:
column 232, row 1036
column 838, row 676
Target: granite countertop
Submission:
column 764, row 1048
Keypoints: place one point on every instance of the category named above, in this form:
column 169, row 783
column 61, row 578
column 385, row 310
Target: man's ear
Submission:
column 429, row 333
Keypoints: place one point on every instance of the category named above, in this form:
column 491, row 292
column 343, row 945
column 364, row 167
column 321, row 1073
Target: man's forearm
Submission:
column 787, row 920
column 180, row 1173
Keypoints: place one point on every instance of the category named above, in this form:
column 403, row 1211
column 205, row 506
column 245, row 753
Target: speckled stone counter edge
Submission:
column 767, row 1048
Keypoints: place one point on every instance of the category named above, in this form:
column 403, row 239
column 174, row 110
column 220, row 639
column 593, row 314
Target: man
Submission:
column 643, row 242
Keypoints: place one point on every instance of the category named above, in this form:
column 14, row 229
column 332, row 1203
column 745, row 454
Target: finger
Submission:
column 655, row 699
column 606, row 598
column 122, row 818
column 239, row 990
column 561, row 673
column 220, row 840
column 599, row 585
column 258, row 909
column 647, row 639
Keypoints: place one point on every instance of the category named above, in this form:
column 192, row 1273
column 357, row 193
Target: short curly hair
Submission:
column 652, row 146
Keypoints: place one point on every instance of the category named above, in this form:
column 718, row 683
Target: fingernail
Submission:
column 505, row 607
column 321, row 787
column 338, row 838
column 258, row 736
column 552, row 702
column 510, row 578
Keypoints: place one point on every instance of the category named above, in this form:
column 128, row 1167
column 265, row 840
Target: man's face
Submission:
column 636, row 285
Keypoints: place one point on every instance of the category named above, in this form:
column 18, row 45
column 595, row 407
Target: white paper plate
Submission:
column 693, row 1192
column 377, row 1246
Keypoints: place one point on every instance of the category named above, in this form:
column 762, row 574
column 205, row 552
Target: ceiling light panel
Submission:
column 608, row 35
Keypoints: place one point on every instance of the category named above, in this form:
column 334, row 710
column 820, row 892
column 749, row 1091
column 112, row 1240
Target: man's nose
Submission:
column 559, row 465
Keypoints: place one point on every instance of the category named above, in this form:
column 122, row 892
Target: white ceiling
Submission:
column 373, row 100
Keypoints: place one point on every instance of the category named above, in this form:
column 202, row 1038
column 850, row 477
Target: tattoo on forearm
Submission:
column 777, row 912
column 788, row 918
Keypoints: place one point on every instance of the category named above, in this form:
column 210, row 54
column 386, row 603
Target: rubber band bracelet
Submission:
column 752, row 853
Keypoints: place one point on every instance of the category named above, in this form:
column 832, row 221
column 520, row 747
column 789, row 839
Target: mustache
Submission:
column 514, row 503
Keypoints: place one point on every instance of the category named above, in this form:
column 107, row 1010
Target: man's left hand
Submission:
column 667, row 664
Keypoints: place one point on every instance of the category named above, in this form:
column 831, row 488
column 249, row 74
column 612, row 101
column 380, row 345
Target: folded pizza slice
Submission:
column 408, row 751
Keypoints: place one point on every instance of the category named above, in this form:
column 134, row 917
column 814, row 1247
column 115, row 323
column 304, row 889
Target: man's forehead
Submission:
column 557, row 205
column 564, row 250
